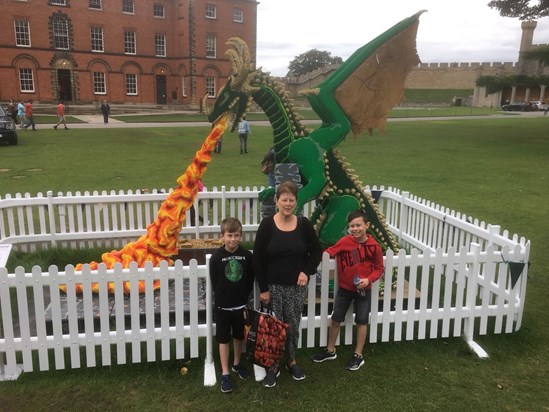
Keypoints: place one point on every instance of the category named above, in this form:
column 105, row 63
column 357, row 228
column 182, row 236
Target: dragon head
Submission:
column 235, row 95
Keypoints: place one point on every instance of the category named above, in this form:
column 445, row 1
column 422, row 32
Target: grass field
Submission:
column 495, row 170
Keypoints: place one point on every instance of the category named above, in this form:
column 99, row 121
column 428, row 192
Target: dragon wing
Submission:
column 371, row 81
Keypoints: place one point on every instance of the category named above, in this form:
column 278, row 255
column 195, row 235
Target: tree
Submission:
column 311, row 60
column 523, row 9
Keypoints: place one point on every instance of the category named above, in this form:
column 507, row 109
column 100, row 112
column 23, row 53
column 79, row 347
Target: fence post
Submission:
column 51, row 218
column 403, row 224
column 469, row 322
column 493, row 231
column 209, row 368
column 223, row 202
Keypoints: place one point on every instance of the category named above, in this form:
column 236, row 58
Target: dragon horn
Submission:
column 241, row 61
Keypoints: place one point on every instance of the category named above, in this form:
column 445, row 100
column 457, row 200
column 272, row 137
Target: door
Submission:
column 65, row 85
column 161, row 90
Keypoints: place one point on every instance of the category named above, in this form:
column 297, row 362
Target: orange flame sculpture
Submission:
column 160, row 241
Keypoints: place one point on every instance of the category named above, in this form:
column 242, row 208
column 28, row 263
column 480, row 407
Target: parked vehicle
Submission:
column 7, row 128
column 519, row 107
column 538, row 104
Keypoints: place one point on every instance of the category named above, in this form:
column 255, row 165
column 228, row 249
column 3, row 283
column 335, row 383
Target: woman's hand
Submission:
column 364, row 282
column 302, row 279
column 265, row 297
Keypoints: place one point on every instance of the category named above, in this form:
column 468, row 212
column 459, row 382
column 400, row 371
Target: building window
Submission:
column 95, row 4
column 22, row 33
column 160, row 45
column 58, row 3
column 99, row 83
column 26, row 80
column 129, row 42
column 210, row 45
column 128, row 6
column 60, row 27
column 184, row 86
column 210, row 86
column 211, row 11
column 238, row 16
column 131, row 84
column 97, row 39
column 158, row 10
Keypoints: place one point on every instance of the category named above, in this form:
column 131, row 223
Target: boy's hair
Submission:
column 358, row 213
column 286, row 187
column 231, row 225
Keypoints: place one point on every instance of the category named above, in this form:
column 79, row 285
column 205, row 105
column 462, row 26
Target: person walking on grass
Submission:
column 232, row 276
column 61, row 116
column 21, row 113
column 29, row 116
column 359, row 263
column 243, row 132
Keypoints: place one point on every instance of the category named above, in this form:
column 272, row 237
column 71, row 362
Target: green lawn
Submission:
column 495, row 170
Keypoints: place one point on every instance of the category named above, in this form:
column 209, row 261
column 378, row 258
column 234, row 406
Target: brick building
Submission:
column 124, row 51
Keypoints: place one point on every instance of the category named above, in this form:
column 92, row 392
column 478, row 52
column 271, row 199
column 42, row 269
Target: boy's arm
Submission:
column 378, row 265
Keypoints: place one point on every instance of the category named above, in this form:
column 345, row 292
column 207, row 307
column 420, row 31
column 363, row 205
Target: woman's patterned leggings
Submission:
column 287, row 304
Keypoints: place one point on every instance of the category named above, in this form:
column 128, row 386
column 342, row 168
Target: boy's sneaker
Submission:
column 355, row 363
column 296, row 371
column 241, row 370
column 270, row 379
column 226, row 384
column 326, row 355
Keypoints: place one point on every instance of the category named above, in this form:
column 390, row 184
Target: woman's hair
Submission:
column 288, row 187
column 231, row 225
column 358, row 213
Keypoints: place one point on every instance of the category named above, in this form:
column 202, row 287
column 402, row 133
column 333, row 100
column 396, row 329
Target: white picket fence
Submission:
column 454, row 281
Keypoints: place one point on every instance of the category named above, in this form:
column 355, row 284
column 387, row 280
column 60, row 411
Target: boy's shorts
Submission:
column 227, row 320
column 343, row 300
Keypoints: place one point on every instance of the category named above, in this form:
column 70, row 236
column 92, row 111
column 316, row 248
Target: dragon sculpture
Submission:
column 355, row 97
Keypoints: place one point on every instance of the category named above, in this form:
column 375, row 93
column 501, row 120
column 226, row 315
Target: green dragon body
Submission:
column 325, row 175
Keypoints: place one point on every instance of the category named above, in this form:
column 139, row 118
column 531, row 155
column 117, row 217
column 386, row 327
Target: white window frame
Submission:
column 58, row 2
column 160, row 45
column 210, row 85
column 99, row 83
column 61, row 34
column 22, row 32
column 211, row 11
column 96, row 5
column 238, row 15
column 184, row 86
column 159, row 7
column 95, row 40
column 130, row 83
column 26, row 80
column 128, row 6
column 211, row 41
column 130, row 42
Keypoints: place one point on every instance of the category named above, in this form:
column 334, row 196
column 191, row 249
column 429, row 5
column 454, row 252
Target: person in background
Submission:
column 29, row 116
column 106, row 111
column 21, row 113
column 268, row 166
column 11, row 111
column 174, row 97
column 61, row 115
column 232, row 276
column 359, row 264
column 286, row 254
column 243, row 131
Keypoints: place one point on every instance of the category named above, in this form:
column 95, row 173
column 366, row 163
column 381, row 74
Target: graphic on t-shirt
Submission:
column 234, row 270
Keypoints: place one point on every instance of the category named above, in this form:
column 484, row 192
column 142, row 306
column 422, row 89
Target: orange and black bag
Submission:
column 265, row 337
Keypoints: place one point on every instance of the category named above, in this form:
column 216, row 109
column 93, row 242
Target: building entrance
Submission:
column 161, row 90
column 65, row 85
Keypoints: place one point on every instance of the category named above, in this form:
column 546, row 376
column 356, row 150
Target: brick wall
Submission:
column 80, row 62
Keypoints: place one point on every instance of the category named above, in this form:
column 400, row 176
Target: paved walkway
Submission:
column 96, row 121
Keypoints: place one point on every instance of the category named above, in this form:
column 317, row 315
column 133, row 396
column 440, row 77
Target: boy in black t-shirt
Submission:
column 232, row 276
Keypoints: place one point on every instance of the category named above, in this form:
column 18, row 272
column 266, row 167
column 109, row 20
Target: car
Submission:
column 538, row 104
column 518, row 107
column 7, row 128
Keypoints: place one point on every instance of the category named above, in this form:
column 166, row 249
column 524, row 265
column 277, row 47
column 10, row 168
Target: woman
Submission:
column 286, row 254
